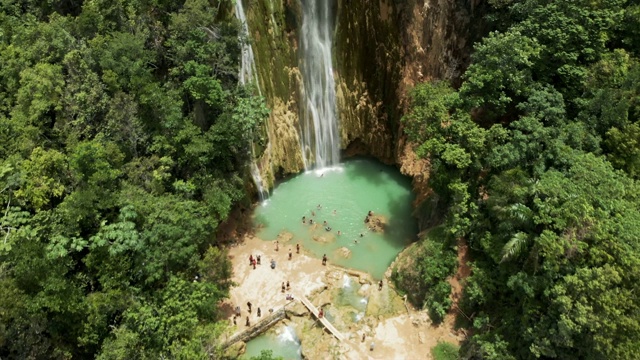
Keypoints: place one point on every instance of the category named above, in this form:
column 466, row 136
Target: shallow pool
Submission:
column 342, row 196
column 283, row 342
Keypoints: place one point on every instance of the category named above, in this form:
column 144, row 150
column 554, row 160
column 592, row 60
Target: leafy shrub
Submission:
column 445, row 351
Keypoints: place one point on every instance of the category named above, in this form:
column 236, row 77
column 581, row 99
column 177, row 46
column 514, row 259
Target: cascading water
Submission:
column 257, row 179
column 284, row 344
column 320, row 138
column 248, row 74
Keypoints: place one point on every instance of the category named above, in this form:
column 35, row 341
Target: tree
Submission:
column 502, row 72
column 46, row 175
column 110, row 187
column 266, row 355
column 521, row 160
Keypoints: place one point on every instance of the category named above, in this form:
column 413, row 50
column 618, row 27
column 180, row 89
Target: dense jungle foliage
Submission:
column 536, row 159
column 123, row 142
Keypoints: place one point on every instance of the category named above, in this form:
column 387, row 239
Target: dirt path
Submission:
column 464, row 270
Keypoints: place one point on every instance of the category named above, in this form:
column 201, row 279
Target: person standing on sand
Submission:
column 234, row 320
column 247, row 323
column 277, row 245
column 259, row 312
column 297, row 248
column 287, row 285
column 380, row 285
column 250, row 260
column 283, row 287
column 249, row 306
column 324, row 259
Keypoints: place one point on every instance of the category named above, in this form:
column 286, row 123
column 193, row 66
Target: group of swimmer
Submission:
column 311, row 222
column 326, row 224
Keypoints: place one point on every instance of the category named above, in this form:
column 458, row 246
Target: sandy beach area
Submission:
column 405, row 333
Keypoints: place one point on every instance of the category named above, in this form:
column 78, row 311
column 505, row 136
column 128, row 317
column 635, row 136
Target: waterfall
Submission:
column 248, row 71
column 257, row 179
column 246, row 75
column 319, row 124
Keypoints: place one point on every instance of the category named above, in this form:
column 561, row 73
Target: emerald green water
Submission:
column 283, row 343
column 351, row 189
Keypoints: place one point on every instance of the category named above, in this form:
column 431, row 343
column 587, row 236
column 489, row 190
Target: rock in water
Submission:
column 344, row 252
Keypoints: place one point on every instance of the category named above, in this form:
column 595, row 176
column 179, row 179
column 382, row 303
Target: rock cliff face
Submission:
column 382, row 48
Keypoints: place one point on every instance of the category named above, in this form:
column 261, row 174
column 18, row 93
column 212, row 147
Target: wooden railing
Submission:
column 323, row 320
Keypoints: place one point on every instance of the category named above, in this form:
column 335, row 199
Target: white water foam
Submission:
column 288, row 334
column 321, row 171
column 346, row 281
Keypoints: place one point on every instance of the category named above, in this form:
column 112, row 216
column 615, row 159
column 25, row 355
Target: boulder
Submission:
column 364, row 290
column 236, row 350
column 422, row 337
column 377, row 223
column 284, row 237
column 344, row 252
column 323, row 238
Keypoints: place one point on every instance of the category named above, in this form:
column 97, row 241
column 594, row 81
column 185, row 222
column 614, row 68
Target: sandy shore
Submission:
column 405, row 334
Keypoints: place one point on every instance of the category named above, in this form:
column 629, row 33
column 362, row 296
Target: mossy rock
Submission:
column 236, row 350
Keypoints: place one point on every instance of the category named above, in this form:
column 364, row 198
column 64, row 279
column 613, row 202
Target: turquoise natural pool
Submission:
column 351, row 189
column 283, row 344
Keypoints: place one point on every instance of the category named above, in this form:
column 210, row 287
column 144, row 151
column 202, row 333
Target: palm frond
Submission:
column 521, row 213
column 514, row 247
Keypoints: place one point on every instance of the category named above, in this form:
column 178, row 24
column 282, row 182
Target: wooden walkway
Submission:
column 323, row 320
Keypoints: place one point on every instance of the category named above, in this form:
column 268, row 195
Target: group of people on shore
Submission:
column 238, row 313
column 253, row 261
column 286, row 286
